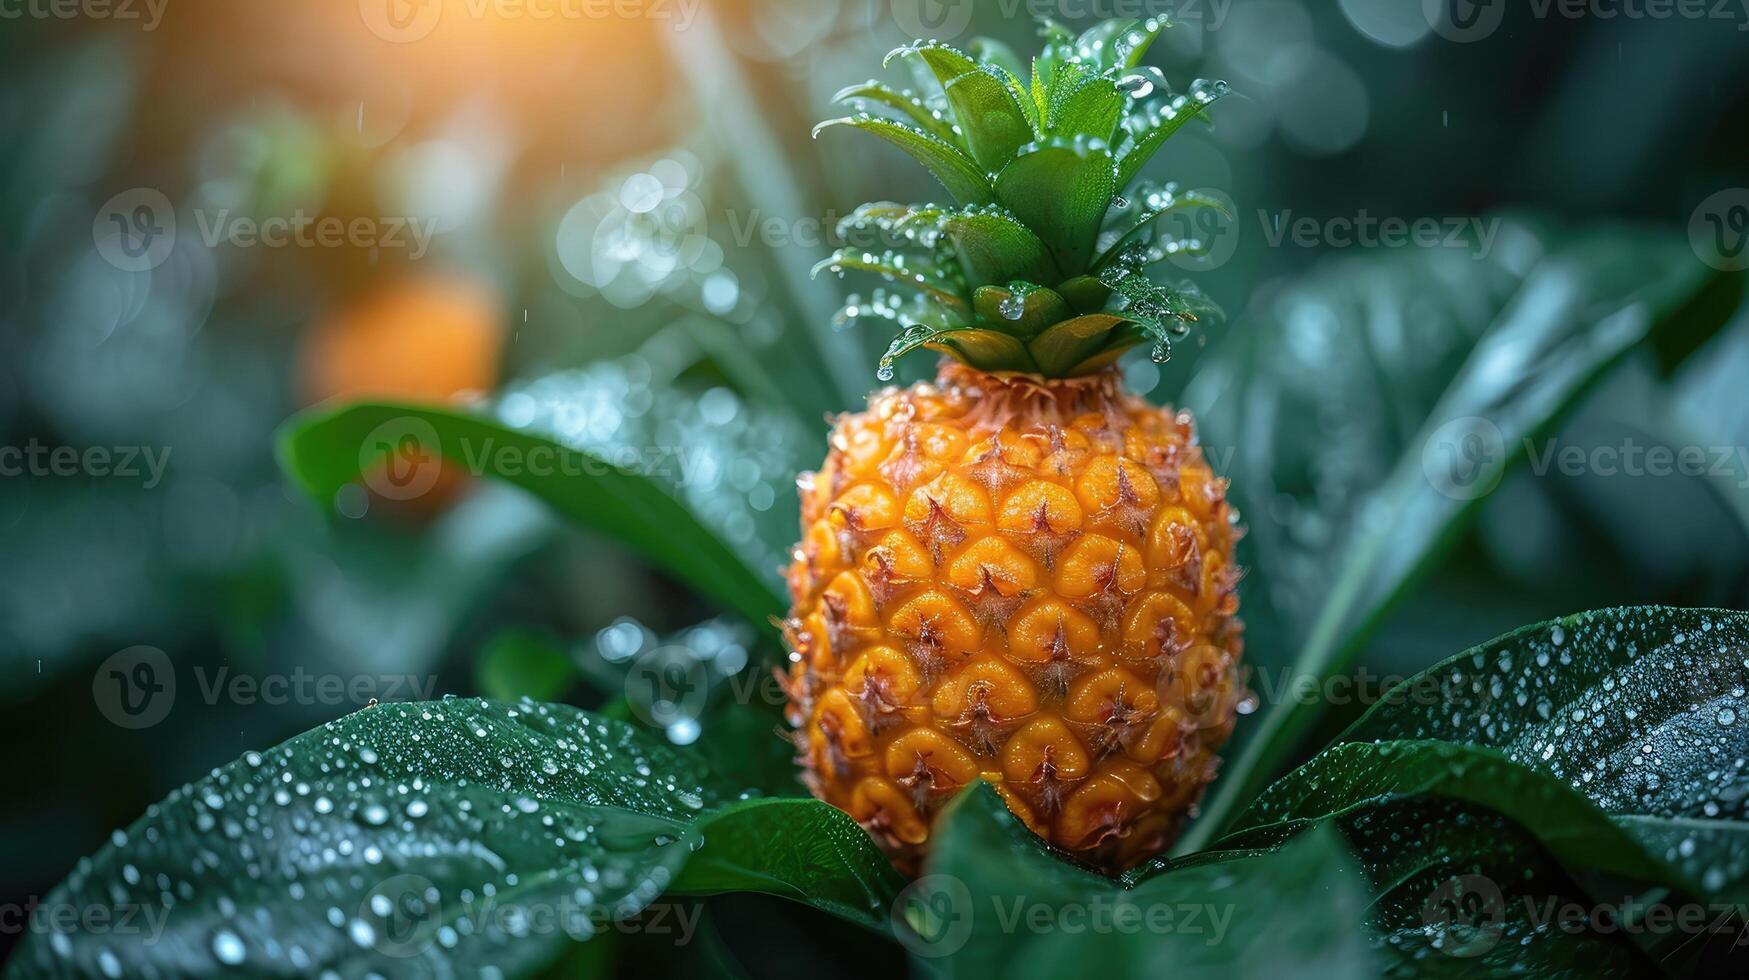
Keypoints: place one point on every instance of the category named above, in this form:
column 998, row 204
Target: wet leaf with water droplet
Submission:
column 441, row 836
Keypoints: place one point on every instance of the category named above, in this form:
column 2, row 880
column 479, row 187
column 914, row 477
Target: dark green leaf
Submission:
column 801, row 849
column 1643, row 711
column 1432, row 350
column 326, row 449
column 995, row 903
column 410, row 837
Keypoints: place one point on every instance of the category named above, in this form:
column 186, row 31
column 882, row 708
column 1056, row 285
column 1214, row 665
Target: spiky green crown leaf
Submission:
column 1040, row 265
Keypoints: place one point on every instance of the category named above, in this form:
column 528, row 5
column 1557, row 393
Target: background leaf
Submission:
column 326, row 450
column 1431, row 352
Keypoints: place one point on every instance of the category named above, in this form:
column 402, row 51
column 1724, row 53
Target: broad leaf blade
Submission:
column 1642, row 711
column 996, row 903
column 801, row 849
column 1420, row 345
column 409, row 837
column 326, row 449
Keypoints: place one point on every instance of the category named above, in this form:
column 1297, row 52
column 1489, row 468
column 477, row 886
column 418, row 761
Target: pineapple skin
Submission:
column 1025, row 581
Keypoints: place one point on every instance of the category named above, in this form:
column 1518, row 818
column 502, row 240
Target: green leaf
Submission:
column 1060, row 189
column 1020, row 309
column 918, row 272
column 1072, row 341
column 950, row 165
column 996, row 903
column 1156, row 129
column 1641, row 710
column 1113, row 43
column 1156, row 202
column 326, row 449
column 442, row 838
column 944, row 60
column 1427, row 347
column 800, row 849
column 994, row 247
column 879, row 94
column 1604, row 744
column 1345, row 778
column 407, row 836
column 992, row 124
column 1084, row 104
column 989, row 350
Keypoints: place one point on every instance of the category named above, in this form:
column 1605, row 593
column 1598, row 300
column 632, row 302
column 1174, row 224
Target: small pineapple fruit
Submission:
column 1019, row 573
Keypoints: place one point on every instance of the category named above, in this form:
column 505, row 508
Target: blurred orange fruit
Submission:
column 419, row 339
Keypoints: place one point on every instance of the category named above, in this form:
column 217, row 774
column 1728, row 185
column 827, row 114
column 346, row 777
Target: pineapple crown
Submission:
column 1040, row 265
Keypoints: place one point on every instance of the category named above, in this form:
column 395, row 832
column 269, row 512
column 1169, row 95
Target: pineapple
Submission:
column 1020, row 573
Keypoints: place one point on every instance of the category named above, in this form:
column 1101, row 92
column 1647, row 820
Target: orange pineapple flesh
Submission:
column 1019, row 580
